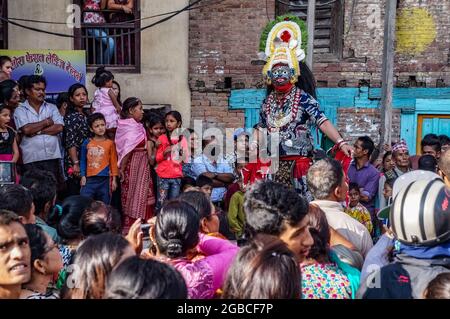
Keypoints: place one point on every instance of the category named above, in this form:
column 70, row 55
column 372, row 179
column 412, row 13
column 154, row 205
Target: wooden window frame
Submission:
column 136, row 68
column 336, row 31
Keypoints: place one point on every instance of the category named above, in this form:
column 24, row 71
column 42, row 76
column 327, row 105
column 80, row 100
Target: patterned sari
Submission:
column 138, row 198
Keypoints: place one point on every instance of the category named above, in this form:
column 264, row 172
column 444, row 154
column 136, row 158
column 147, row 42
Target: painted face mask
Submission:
column 280, row 75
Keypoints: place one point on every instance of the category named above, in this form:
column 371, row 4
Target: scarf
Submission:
column 128, row 135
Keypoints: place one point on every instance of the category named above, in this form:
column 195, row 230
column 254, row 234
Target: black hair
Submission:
column 23, row 80
column 7, row 217
column 17, row 199
column 128, row 104
column 428, row 163
column 374, row 156
column 431, row 140
column 119, row 97
column 94, row 259
column 4, row 59
column 61, row 99
column 353, row 186
column 439, row 287
column 178, row 118
column 68, row 223
column 203, row 180
column 42, row 185
column 444, row 140
column 37, row 242
column 95, row 117
column 367, row 144
column 199, row 202
column 136, row 278
column 3, row 107
column 34, row 79
column 101, row 77
column 320, row 232
column 177, row 227
column 390, row 182
column 264, row 269
column 71, row 92
column 269, row 206
column 7, row 90
column 152, row 118
column 100, row 218
column 187, row 181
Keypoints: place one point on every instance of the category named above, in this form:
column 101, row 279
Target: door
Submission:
column 427, row 123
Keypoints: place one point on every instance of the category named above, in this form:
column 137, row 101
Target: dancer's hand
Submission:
column 347, row 149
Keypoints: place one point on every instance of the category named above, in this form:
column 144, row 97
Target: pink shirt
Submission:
column 102, row 103
column 203, row 277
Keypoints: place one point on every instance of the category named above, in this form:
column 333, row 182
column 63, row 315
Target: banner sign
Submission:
column 61, row 68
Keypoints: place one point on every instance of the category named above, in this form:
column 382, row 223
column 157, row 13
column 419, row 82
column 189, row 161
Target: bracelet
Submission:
column 75, row 162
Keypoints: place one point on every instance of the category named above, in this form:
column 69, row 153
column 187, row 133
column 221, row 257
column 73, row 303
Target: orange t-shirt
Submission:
column 98, row 158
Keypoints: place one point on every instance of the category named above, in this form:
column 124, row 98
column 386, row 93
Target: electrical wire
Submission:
column 186, row 8
column 112, row 11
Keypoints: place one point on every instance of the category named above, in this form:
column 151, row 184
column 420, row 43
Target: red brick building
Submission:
column 224, row 40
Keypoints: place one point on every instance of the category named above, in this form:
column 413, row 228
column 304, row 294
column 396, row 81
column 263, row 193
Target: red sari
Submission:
column 138, row 198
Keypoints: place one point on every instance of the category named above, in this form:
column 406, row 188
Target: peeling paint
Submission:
column 416, row 30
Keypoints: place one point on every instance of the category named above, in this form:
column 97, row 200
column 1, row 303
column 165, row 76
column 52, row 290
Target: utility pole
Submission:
column 311, row 21
column 387, row 76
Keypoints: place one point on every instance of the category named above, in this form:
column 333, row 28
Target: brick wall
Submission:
column 355, row 122
column 223, row 43
column 224, row 40
column 418, row 60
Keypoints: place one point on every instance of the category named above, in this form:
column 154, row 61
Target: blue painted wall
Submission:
column 411, row 101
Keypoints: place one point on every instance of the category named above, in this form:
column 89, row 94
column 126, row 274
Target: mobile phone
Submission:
column 145, row 228
column 7, row 173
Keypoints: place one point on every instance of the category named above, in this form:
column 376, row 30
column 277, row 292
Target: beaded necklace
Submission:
column 290, row 104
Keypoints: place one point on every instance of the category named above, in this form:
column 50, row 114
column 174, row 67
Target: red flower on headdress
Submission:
column 285, row 36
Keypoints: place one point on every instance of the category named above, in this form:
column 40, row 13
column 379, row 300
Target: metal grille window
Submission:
column 114, row 44
column 329, row 24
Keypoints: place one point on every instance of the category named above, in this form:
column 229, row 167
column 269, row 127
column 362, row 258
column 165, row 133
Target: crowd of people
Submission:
column 109, row 201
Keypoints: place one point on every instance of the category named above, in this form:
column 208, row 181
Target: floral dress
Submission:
column 325, row 281
column 76, row 131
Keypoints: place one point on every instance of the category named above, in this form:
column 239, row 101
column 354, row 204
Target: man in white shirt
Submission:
column 40, row 124
column 326, row 180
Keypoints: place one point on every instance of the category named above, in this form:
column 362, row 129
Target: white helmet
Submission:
column 420, row 213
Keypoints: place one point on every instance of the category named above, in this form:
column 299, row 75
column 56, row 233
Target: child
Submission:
column 187, row 184
column 105, row 100
column 137, row 192
column 236, row 215
column 205, row 184
column 155, row 128
column 356, row 210
column 9, row 150
column 439, row 287
column 98, row 163
column 387, row 190
column 169, row 156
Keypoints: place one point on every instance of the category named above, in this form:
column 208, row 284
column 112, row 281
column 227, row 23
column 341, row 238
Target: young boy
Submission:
column 98, row 163
column 205, row 184
column 356, row 210
column 236, row 215
column 387, row 190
